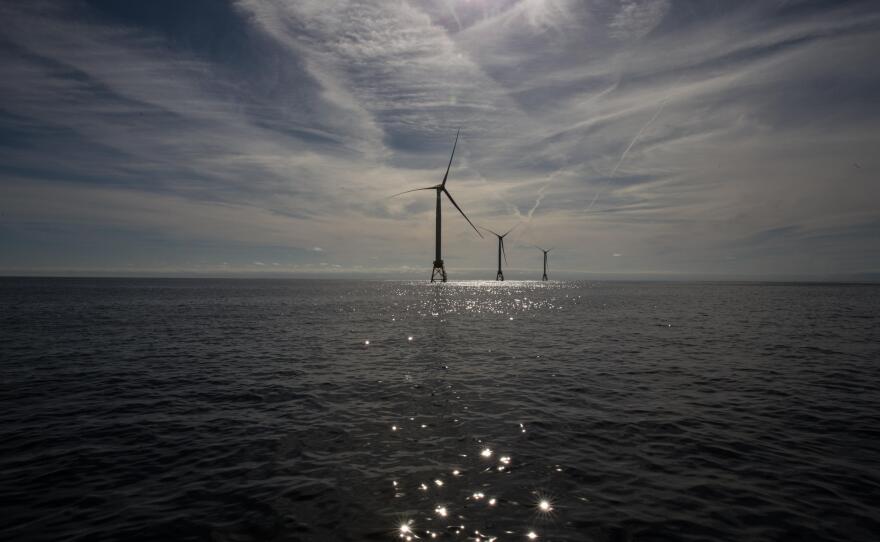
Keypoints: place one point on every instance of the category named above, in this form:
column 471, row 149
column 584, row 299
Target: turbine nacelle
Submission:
column 439, row 270
column 544, row 276
column 501, row 237
column 442, row 187
column 501, row 250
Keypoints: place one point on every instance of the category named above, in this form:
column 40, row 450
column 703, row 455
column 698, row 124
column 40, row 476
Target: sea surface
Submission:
column 239, row 410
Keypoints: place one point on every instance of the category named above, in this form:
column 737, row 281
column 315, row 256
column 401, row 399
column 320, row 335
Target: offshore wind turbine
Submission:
column 500, row 275
column 438, row 272
column 544, row 276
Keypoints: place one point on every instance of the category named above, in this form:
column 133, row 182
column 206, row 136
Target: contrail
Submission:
column 562, row 171
column 638, row 135
column 550, row 180
column 451, row 9
column 538, row 200
column 511, row 208
column 628, row 147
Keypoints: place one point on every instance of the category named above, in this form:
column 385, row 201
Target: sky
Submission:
column 264, row 137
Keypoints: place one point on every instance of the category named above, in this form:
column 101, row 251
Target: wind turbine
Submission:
column 438, row 272
column 500, row 275
column 544, row 277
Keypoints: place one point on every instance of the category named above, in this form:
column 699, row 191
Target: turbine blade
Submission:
column 511, row 229
column 413, row 190
column 504, row 252
column 448, row 195
column 450, row 160
column 490, row 231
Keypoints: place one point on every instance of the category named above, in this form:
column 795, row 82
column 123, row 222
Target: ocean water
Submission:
column 238, row 410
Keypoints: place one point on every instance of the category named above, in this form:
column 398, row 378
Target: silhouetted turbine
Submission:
column 500, row 275
column 544, row 277
column 439, row 270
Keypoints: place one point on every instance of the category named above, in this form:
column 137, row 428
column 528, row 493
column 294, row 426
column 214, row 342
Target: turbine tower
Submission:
column 544, row 277
column 500, row 275
column 438, row 272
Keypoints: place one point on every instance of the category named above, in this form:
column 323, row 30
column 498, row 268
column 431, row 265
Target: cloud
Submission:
column 702, row 127
column 636, row 18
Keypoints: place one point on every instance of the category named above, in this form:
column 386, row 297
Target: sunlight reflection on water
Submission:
column 485, row 482
column 507, row 298
column 468, row 499
column 257, row 410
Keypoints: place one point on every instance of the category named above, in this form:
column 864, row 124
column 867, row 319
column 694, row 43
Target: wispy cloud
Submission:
column 702, row 127
column 636, row 18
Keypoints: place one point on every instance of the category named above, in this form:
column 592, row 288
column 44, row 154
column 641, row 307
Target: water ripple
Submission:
column 310, row 410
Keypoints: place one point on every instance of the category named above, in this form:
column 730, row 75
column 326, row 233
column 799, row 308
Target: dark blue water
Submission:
column 255, row 410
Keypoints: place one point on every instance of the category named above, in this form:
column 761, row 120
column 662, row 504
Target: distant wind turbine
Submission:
column 544, row 276
column 438, row 272
column 500, row 275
